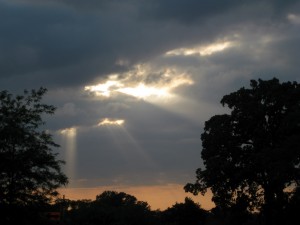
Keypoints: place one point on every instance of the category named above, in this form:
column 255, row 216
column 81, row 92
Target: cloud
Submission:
column 161, row 66
column 193, row 11
column 108, row 122
column 142, row 82
column 202, row 51
column 67, row 46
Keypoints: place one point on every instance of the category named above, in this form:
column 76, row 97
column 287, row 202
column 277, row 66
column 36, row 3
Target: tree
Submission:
column 112, row 208
column 188, row 212
column 121, row 208
column 293, row 208
column 252, row 155
column 30, row 172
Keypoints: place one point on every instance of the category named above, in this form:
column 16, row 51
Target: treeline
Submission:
column 119, row 208
column 112, row 208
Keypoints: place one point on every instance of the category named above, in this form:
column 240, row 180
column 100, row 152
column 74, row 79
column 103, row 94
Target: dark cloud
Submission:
column 59, row 44
column 194, row 11
column 186, row 11
column 66, row 45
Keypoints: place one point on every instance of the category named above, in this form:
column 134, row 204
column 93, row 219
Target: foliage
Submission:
column 188, row 212
column 110, row 207
column 30, row 172
column 119, row 208
column 292, row 209
column 252, row 155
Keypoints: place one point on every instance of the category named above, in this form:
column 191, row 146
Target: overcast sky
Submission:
column 135, row 80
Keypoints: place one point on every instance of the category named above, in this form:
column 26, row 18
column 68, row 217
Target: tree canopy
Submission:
column 188, row 212
column 111, row 207
column 30, row 172
column 252, row 155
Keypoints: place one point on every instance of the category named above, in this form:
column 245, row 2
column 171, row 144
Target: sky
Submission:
column 135, row 80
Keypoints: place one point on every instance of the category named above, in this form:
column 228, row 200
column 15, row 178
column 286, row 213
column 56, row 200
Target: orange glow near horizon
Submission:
column 158, row 197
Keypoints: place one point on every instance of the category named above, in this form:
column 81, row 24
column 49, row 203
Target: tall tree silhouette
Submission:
column 252, row 155
column 30, row 172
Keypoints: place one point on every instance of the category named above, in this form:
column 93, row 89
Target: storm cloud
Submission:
column 135, row 80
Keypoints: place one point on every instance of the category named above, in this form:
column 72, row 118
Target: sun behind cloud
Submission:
column 139, row 83
column 104, row 89
column 143, row 91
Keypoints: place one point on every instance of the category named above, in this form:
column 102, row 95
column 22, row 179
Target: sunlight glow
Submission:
column 142, row 82
column 103, row 89
column 127, row 145
column 108, row 121
column 201, row 50
column 142, row 91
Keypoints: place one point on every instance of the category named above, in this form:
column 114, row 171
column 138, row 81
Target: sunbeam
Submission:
column 125, row 142
column 178, row 105
column 69, row 141
column 137, row 148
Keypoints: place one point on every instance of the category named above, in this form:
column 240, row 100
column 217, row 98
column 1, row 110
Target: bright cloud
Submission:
column 142, row 91
column 108, row 121
column 139, row 83
column 70, row 132
column 201, row 50
column 104, row 89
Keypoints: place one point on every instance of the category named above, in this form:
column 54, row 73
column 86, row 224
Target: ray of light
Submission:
column 137, row 148
column 122, row 137
column 113, row 126
column 116, row 140
column 69, row 141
